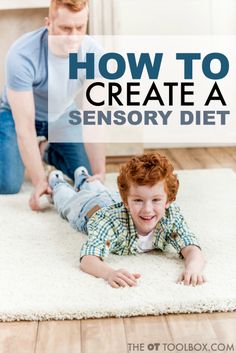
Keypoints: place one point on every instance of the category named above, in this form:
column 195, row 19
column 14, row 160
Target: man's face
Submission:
column 147, row 206
column 67, row 28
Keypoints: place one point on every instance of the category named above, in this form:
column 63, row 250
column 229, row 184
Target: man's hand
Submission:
column 39, row 190
column 100, row 177
column 122, row 278
column 191, row 277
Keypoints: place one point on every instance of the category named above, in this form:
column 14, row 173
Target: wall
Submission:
column 163, row 17
column 127, row 17
column 189, row 17
column 13, row 23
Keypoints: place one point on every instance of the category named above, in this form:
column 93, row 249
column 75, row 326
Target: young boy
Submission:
column 144, row 218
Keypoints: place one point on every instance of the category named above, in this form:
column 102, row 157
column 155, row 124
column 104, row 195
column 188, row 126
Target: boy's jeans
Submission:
column 75, row 206
column 64, row 156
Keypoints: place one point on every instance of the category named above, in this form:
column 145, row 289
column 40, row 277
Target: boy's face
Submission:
column 147, row 205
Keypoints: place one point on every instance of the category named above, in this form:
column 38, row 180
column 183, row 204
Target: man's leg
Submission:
column 11, row 165
column 67, row 157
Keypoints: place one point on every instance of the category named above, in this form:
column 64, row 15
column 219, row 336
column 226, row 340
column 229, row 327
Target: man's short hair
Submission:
column 73, row 5
column 148, row 169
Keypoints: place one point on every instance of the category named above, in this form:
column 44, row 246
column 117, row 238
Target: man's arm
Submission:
column 97, row 158
column 116, row 278
column 194, row 264
column 96, row 151
column 22, row 105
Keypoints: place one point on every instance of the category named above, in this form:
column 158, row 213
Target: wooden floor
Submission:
column 191, row 158
column 213, row 332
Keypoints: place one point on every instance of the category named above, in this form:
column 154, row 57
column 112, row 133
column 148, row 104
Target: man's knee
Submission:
column 7, row 188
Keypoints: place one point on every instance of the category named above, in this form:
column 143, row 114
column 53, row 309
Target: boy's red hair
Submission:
column 148, row 169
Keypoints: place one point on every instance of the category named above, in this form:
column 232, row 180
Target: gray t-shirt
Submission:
column 27, row 70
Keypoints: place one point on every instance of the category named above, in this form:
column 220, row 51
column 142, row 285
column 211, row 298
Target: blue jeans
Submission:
column 74, row 206
column 64, row 156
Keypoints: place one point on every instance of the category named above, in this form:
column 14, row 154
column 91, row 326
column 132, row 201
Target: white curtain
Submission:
column 101, row 17
column 162, row 17
column 101, row 22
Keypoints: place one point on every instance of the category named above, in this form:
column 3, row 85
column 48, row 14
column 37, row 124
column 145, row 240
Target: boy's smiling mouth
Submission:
column 147, row 218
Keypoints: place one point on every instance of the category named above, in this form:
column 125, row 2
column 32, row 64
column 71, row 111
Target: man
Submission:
column 24, row 108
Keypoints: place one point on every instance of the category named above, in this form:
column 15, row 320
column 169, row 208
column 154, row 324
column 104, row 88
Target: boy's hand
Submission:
column 116, row 278
column 194, row 264
column 122, row 278
column 191, row 278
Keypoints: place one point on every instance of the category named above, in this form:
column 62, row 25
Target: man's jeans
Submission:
column 75, row 206
column 64, row 156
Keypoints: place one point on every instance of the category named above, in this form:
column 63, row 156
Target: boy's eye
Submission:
column 137, row 200
column 156, row 200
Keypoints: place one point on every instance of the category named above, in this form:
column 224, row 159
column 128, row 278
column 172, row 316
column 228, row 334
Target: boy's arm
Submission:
column 116, row 278
column 194, row 264
column 187, row 245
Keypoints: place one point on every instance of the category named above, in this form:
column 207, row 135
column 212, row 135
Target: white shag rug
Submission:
column 39, row 260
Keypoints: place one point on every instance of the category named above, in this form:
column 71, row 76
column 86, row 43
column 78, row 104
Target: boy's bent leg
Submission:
column 80, row 177
column 11, row 165
column 62, row 192
column 67, row 157
column 66, row 200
